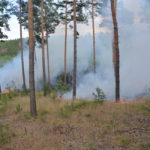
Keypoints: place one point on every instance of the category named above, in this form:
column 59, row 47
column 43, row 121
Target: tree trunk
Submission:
column 21, row 49
column 65, row 46
column 48, row 62
column 43, row 50
column 94, row 42
column 116, row 56
column 0, row 90
column 75, row 51
column 31, row 60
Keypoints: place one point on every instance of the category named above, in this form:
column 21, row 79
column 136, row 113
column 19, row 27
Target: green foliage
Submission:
column 91, row 146
column 2, row 108
column 5, row 136
column 50, row 91
column 43, row 112
column 99, row 95
column 27, row 116
column 61, row 87
column 4, row 98
column 18, row 108
column 42, row 115
column 46, row 89
column 8, row 50
column 68, row 109
column 51, row 18
column 143, row 108
column 125, row 141
column 5, row 10
column 144, row 146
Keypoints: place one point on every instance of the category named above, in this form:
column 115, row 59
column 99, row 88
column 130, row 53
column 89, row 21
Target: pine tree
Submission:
column 48, row 60
column 94, row 42
column 5, row 11
column 21, row 48
column 65, row 45
column 116, row 56
column 52, row 20
column 75, row 51
column 43, row 47
column 31, row 60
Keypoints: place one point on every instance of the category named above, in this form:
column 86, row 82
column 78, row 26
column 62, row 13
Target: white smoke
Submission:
column 134, row 35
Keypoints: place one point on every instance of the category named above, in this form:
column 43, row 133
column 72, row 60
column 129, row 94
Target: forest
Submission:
column 76, row 75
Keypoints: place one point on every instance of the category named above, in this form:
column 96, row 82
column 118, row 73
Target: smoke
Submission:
column 134, row 35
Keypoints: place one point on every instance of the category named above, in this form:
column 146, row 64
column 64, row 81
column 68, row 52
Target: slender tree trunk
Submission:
column 116, row 55
column 21, row 48
column 43, row 49
column 31, row 60
column 65, row 47
column 48, row 61
column 94, row 41
column 0, row 90
column 75, row 51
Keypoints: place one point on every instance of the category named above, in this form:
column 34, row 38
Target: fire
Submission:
column 8, row 91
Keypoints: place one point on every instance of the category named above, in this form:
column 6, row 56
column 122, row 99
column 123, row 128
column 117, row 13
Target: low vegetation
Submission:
column 69, row 125
column 8, row 50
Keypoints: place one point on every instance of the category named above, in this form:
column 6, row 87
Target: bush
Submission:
column 18, row 108
column 99, row 95
column 61, row 87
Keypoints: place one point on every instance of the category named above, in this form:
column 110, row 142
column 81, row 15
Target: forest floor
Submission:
column 78, row 125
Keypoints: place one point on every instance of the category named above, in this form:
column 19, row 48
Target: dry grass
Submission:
column 63, row 125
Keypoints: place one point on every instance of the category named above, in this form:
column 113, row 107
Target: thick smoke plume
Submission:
column 134, row 32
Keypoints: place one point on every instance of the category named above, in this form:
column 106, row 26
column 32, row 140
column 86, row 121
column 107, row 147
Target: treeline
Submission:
column 8, row 50
column 41, row 17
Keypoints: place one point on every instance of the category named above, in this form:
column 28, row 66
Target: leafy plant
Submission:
column 18, row 108
column 99, row 95
column 61, row 87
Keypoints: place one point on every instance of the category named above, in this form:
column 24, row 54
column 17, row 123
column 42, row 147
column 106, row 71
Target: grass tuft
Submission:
column 5, row 136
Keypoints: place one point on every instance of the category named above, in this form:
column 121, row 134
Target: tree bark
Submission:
column 43, row 48
column 94, row 41
column 31, row 61
column 75, row 51
column 0, row 90
column 65, row 46
column 21, row 49
column 48, row 61
column 116, row 55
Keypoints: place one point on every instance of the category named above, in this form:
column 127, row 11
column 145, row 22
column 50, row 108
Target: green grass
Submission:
column 5, row 98
column 8, row 50
column 125, row 141
column 5, row 136
column 145, row 107
column 70, row 108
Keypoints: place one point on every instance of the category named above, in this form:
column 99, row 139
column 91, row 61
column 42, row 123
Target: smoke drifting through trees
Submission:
column 131, row 53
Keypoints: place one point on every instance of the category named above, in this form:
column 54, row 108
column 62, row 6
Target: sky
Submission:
column 84, row 29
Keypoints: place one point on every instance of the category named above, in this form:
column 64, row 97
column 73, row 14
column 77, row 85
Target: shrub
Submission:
column 61, row 87
column 99, row 95
column 18, row 108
